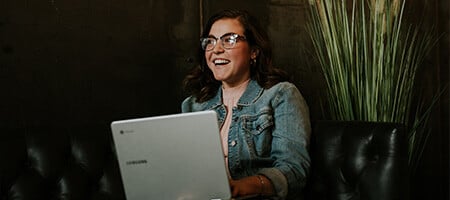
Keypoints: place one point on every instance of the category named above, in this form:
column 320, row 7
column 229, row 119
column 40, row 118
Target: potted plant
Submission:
column 369, row 58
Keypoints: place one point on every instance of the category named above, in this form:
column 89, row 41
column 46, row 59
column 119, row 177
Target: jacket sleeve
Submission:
column 290, row 140
column 186, row 105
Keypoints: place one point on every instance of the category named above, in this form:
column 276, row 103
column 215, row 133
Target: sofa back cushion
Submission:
column 58, row 164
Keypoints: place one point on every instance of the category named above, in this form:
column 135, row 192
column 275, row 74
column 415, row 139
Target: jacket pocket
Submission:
column 258, row 132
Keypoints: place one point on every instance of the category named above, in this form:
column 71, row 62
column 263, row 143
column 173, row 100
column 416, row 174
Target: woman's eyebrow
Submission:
column 229, row 33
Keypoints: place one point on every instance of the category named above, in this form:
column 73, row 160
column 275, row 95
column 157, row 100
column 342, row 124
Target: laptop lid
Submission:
column 173, row 157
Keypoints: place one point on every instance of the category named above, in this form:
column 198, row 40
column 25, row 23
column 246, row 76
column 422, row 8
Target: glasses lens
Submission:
column 228, row 41
column 208, row 43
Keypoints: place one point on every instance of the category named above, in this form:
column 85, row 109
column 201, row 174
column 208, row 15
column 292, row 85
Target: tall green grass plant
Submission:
column 369, row 58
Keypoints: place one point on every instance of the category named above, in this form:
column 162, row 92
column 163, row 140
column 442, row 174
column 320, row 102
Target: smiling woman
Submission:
column 263, row 119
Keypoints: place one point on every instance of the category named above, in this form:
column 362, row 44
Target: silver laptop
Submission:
column 172, row 157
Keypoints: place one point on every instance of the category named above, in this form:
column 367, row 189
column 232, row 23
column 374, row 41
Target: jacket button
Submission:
column 233, row 143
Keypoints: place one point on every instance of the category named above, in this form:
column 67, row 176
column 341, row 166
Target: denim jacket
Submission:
column 269, row 135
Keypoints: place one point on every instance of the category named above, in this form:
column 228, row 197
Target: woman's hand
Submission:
column 252, row 185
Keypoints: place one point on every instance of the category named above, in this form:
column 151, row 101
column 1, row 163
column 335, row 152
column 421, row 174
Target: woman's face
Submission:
column 230, row 66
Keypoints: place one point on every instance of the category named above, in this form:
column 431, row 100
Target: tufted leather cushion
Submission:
column 350, row 161
column 358, row 161
column 58, row 164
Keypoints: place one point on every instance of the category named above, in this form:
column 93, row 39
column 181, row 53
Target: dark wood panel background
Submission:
column 83, row 64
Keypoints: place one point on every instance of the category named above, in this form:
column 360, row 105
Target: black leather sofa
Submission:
column 351, row 161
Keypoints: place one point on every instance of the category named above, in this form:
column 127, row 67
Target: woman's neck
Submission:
column 231, row 95
column 227, row 86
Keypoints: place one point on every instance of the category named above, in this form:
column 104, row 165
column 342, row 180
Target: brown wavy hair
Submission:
column 200, row 81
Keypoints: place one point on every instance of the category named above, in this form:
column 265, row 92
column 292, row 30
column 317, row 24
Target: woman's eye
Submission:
column 230, row 41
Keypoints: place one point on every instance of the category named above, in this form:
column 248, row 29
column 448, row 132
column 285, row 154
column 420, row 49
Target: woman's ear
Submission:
column 254, row 53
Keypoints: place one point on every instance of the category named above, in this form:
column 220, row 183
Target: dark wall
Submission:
column 432, row 178
column 75, row 64
column 88, row 62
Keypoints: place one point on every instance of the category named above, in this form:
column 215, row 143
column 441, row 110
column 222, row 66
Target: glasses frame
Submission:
column 234, row 38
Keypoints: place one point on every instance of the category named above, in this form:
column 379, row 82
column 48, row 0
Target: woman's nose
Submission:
column 218, row 48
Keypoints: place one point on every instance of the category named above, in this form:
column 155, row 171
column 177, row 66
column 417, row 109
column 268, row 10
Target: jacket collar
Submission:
column 251, row 94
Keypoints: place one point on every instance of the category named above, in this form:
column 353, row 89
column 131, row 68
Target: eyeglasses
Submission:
column 229, row 40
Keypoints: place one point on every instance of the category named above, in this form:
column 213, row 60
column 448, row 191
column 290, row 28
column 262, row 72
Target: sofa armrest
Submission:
column 358, row 160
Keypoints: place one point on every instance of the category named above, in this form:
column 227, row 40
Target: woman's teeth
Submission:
column 221, row 62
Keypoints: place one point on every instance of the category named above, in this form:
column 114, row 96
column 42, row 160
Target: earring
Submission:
column 253, row 61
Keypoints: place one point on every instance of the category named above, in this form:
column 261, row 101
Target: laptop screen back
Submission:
column 173, row 157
